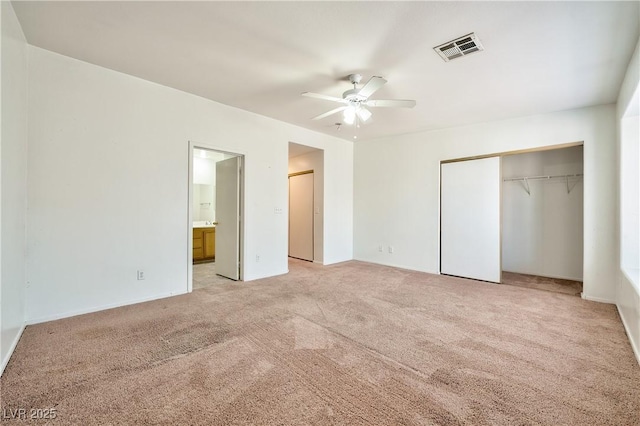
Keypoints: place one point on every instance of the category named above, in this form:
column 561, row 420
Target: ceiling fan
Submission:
column 355, row 101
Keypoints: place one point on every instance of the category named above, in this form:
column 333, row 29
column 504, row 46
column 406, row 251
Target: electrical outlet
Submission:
column 277, row 210
column 390, row 249
column 140, row 275
column 380, row 248
column 257, row 258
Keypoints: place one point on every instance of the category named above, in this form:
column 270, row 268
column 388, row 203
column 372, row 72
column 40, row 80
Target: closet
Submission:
column 542, row 218
column 514, row 218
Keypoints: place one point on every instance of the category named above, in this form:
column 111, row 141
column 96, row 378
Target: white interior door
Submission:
column 301, row 216
column 470, row 219
column 228, row 218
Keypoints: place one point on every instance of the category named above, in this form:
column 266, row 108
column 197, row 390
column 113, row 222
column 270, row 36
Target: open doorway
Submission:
column 542, row 220
column 306, row 203
column 215, row 211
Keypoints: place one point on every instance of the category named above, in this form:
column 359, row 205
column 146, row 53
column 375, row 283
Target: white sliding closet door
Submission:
column 470, row 219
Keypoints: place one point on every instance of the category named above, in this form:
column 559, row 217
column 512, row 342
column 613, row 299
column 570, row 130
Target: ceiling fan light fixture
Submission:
column 355, row 101
column 364, row 114
column 349, row 115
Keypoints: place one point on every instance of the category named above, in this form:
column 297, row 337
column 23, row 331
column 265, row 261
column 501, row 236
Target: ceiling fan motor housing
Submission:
column 353, row 95
column 355, row 78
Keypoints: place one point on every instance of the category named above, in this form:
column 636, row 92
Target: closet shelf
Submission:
column 525, row 180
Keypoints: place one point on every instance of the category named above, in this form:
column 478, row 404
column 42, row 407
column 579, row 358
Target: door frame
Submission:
column 193, row 145
column 317, row 165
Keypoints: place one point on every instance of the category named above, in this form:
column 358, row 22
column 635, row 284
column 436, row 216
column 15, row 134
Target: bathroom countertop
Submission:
column 203, row 224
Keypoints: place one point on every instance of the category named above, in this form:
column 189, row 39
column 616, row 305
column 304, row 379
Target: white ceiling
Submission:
column 259, row 56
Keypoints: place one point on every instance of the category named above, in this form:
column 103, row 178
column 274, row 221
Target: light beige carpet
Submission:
column 204, row 275
column 352, row 343
column 542, row 283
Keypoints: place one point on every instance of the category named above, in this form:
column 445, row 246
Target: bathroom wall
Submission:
column 204, row 183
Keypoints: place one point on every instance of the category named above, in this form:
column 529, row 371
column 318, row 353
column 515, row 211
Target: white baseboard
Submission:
column 597, row 299
column 32, row 321
column 6, row 359
column 326, row 262
column 634, row 345
column 259, row 277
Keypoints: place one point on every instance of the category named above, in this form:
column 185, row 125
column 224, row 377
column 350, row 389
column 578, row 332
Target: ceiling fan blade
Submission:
column 325, row 97
column 363, row 113
column 391, row 103
column 372, row 85
column 326, row 114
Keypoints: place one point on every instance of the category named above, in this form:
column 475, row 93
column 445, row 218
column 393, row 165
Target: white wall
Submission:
column 314, row 161
column 628, row 297
column 338, row 188
column 13, row 167
column 542, row 231
column 397, row 187
column 91, row 127
column 629, row 129
column 204, row 170
column 204, row 180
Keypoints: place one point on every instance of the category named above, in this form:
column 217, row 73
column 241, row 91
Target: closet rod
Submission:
column 543, row 177
column 525, row 180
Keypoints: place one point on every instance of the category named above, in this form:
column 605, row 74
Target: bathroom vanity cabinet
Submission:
column 204, row 243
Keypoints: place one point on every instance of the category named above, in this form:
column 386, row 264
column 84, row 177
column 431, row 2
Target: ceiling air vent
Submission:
column 459, row 47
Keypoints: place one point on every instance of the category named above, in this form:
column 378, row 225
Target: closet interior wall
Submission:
column 542, row 216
